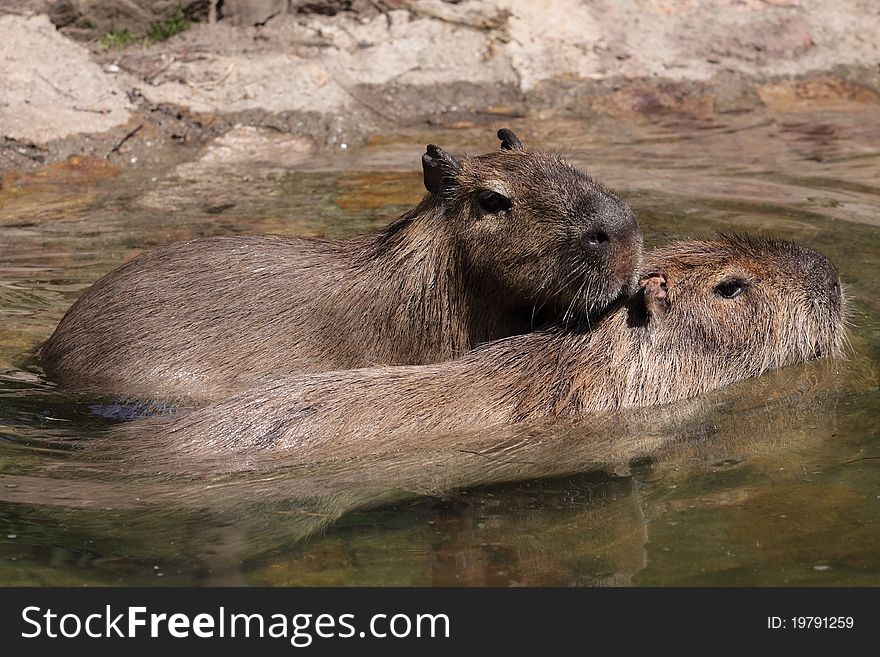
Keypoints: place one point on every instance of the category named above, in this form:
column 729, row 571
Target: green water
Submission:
column 775, row 481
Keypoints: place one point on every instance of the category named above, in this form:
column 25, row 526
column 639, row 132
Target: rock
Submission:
column 75, row 170
column 552, row 40
column 647, row 100
column 782, row 38
column 327, row 61
column 94, row 18
column 51, row 86
column 247, row 144
column 825, row 92
column 56, row 191
column 252, row 12
column 233, row 171
column 136, row 17
column 63, row 12
column 338, row 69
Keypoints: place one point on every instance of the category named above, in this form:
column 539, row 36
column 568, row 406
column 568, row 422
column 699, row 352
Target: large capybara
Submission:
column 708, row 313
column 499, row 241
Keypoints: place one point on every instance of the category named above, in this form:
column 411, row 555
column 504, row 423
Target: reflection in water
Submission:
column 559, row 531
column 768, row 482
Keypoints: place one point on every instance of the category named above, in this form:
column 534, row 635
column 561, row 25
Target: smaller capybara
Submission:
column 500, row 241
column 708, row 313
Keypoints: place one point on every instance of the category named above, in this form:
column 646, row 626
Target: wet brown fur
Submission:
column 200, row 319
column 645, row 352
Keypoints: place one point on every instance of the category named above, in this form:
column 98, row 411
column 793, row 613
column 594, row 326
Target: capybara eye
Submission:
column 731, row 288
column 493, row 201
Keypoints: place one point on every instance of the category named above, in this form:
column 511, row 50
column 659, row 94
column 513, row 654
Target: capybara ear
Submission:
column 439, row 168
column 655, row 294
column 509, row 141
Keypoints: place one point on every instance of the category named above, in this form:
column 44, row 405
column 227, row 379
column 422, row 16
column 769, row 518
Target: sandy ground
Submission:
column 335, row 79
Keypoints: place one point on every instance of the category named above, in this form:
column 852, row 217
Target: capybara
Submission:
column 708, row 313
column 499, row 242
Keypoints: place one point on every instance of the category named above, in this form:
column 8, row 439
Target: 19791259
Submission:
column 810, row 622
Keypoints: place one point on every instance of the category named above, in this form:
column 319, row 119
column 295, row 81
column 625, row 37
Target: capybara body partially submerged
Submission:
column 499, row 240
column 709, row 313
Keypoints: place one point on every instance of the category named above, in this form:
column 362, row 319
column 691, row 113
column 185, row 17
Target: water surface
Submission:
column 774, row 481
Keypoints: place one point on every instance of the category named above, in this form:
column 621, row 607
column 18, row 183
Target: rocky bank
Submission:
column 327, row 74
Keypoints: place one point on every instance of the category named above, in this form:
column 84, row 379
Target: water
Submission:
column 774, row 481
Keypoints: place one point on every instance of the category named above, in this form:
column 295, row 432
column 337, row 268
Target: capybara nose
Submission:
column 596, row 239
column 618, row 238
column 619, row 228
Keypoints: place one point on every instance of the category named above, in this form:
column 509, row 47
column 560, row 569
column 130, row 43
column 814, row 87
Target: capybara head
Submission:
column 538, row 228
column 722, row 310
